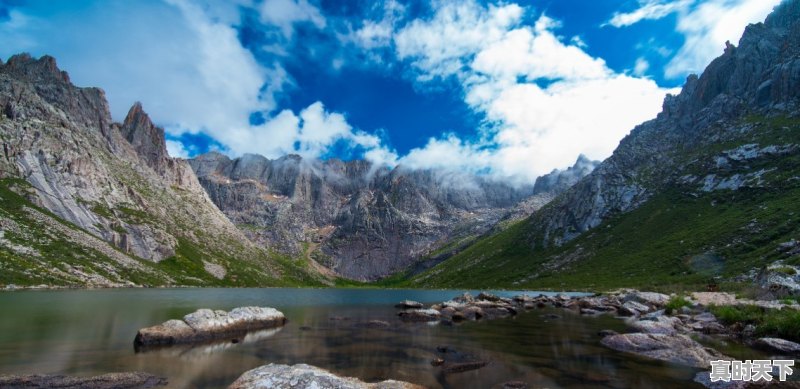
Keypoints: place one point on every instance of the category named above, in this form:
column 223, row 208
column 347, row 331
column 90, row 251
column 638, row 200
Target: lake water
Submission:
column 90, row 332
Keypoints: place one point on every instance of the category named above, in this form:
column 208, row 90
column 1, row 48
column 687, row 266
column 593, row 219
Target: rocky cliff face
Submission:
column 360, row 221
column 90, row 201
column 759, row 77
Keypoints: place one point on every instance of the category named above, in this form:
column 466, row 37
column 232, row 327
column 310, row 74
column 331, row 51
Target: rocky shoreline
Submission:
column 656, row 331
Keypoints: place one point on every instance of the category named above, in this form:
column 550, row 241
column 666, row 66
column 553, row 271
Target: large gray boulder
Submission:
column 301, row 376
column 205, row 325
column 678, row 349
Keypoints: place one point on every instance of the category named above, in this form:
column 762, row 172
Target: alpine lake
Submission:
column 91, row 332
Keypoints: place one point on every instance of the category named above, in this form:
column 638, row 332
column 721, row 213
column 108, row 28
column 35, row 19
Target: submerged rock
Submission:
column 276, row 376
column 205, row 325
column 134, row 380
column 420, row 315
column 458, row 367
column 408, row 304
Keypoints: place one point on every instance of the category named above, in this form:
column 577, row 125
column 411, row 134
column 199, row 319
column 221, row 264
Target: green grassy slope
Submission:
column 680, row 238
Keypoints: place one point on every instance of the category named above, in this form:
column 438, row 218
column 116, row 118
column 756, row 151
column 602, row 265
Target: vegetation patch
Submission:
column 783, row 323
column 676, row 303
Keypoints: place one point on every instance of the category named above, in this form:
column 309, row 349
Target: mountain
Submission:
column 86, row 201
column 706, row 192
column 363, row 221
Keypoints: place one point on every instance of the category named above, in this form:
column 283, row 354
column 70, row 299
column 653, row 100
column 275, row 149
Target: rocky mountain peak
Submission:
column 147, row 139
column 560, row 180
column 85, row 107
column 23, row 66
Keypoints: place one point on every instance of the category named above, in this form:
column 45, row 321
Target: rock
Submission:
column 708, row 327
column 276, row 376
column 205, row 325
column 596, row 304
column 458, row 367
column 714, row 298
column 704, row 378
column 378, row 324
column 420, row 315
column 465, row 298
column 498, row 312
column 604, row 333
column 105, row 381
column 512, row 385
column 704, row 317
column 447, row 311
column 472, row 313
column 652, row 298
column 458, row 316
column 591, row 312
column 408, row 304
column 662, row 325
column 779, row 280
column 678, row 349
column 777, row 345
column 487, row 297
column 653, row 315
column 633, row 308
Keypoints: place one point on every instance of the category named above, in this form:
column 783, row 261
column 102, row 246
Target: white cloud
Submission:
column 311, row 134
column 374, row 34
column 548, row 101
column 707, row 27
column 285, row 13
column 648, row 10
column 176, row 149
column 641, row 66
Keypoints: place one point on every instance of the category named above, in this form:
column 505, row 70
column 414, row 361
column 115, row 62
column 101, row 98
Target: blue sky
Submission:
column 512, row 89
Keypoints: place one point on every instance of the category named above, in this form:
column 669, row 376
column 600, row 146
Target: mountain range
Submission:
column 703, row 193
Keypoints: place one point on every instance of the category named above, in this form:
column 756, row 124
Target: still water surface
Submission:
column 90, row 332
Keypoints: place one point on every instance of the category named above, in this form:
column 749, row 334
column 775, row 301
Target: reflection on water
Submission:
column 91, row 332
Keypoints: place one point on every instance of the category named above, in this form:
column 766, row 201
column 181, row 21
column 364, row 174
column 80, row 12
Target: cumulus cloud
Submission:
column 310, row 133
column 177, row 149
column 706, row 26
column 285, row 13
column 547, row 100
